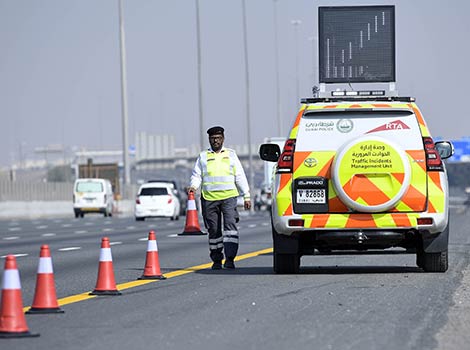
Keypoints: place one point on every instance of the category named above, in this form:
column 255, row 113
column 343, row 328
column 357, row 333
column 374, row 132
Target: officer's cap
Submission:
column 215, row 130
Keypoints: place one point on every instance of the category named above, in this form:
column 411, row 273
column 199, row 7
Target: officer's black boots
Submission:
column 217, row 265
column 229, row 264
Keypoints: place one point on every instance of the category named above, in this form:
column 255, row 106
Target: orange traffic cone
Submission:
column 152, row 264
column 191, row 227
column 45, row 299
column 12, row 319
column 105, row 284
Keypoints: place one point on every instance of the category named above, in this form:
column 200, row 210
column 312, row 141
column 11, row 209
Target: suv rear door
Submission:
column 324, row 132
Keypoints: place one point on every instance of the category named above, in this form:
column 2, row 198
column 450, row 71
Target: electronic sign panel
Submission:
column 356, row 44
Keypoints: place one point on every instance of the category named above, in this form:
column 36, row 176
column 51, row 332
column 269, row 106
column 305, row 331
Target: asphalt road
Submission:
column 336, row 302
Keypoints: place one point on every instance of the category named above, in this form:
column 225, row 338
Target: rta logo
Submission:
column 395, row 125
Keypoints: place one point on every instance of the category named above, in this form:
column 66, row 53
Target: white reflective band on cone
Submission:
column 45, row 265
column 105, row 254
column 11, row 279
column 152, row 246
column 191, row 205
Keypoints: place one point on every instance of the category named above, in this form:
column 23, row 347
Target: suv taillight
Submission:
column 433, row 159
column 137, row 200
column 286, row 160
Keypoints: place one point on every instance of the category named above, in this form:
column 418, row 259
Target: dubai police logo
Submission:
column 344, row 125
column 310, row 162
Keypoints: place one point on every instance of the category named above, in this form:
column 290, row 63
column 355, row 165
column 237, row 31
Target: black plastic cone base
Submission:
column 40, row 310
column 156, row 277
column 18, row 334
column 105, row 292
column 192, row 233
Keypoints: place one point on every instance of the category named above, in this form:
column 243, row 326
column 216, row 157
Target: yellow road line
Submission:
column 126, row 285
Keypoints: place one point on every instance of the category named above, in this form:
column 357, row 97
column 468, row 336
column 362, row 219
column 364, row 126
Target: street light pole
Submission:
column 247, row 91
column 276, row 60
column 125, row 141
column 199, row 79
column 296, row 23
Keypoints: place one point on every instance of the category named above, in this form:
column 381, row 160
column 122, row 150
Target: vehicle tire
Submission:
column 76, row 215
column 286, row 263
column 82, row 215
column 435, row 262
column 139, row 219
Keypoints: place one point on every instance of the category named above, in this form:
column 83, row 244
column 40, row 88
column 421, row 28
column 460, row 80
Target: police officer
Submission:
column 220, row 175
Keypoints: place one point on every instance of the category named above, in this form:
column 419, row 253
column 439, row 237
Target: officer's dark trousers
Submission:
column 220, row 220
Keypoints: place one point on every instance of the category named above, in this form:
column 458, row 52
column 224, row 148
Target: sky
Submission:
column 60, row 69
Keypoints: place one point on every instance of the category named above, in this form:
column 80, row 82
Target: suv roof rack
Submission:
column 358, row 98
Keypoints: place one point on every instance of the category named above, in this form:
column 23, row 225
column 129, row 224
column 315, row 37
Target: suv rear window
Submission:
column 89, row 187
column 153, row 191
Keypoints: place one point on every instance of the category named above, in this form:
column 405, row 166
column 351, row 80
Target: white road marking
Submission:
column 114, row 243
column 14, row 229
column 69, row 249
column 173, row 235
column 15, row 255
column 107, row 229
column 41, row 227
column 66, row 225
column 81, row 231
column 10, row 238
column 251, row 225
column 48, row 234
column 130, row 227
column 143, row 239
column 265, row 224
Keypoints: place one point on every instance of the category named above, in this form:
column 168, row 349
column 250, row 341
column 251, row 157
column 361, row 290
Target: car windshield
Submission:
column 89, row 187
column 153, row 191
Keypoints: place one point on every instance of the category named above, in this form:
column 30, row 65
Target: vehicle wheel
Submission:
column 434, row 262
column 105, row 214
column 76, row 215
column 139, row 219
column 82, row 215
column 286, row 263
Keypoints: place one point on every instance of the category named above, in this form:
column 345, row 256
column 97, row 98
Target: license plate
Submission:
column 312, row 196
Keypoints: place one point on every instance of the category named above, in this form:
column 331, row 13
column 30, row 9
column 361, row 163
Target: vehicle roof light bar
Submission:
column 339, row 93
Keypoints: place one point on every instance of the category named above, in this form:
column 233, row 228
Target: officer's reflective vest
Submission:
column 218, row 175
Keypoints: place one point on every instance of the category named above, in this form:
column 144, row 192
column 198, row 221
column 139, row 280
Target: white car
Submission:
column 156, row 200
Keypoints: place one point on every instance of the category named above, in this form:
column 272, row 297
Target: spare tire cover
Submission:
column 371, row 174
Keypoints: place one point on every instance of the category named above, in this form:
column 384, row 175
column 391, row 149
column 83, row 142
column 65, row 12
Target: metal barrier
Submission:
column 47, row 191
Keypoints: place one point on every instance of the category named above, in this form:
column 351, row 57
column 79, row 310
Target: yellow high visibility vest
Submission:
column 218, row 176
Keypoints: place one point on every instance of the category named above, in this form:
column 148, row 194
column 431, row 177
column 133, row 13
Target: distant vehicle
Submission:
column 359, row 173
column 182, row 196
column 156, row 200
column 93, row 196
